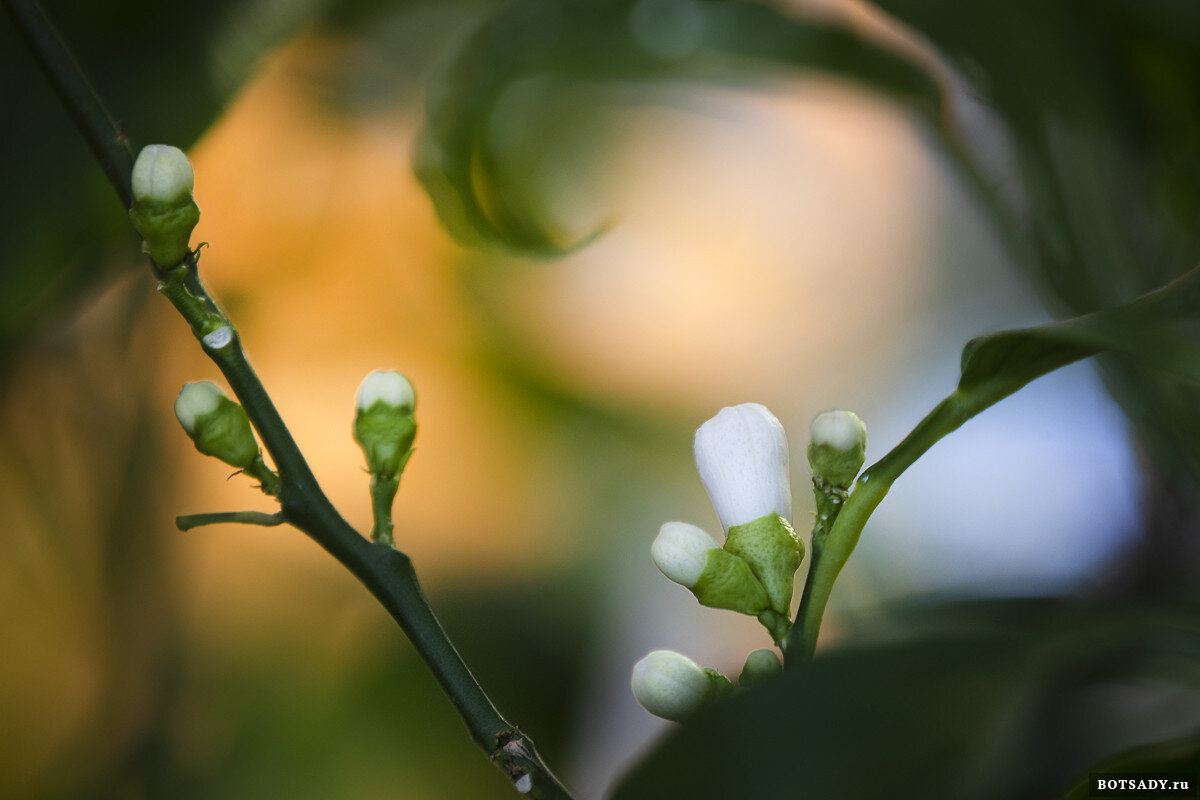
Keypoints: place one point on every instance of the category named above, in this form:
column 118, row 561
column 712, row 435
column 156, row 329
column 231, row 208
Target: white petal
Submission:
column 389, row 386
column 680, row 551
column 840, row 430
column 196, row 399
column 669, row 685
column 161, row 173
column 742, row 456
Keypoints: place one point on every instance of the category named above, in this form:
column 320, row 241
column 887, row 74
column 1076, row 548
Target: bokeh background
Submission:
column 765, row 233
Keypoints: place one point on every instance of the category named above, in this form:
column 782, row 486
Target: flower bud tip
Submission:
column 841, row 430
column 196, row 399
column 742, row 457
column 680, row 552
column 670, row 685
column 389, row 386
column 161, row 173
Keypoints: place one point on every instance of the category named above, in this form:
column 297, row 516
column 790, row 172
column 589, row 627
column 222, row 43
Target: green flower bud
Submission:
column 690, row 557
column 774, row 552
column 218, row 426
column 163, row 210
column 837, row 448
column 674, row 687
column 760, row 665
column 384, row 425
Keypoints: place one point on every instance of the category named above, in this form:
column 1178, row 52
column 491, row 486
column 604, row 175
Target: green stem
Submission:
column 383, row 494
column 386, row 572
column 269, row 480
column 869, row 491
column 104, row 136
column 829, row 501
column 189, row 521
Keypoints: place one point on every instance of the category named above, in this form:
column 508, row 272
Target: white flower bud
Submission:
column 837, row 448
column 196, row 399
column 162, row 174
column 163, row 210
column 389, row 386
column 384, row 425
column 670, row 685
column 217, row 425
column 680, row 552
column 742, row 456
column 840, row 430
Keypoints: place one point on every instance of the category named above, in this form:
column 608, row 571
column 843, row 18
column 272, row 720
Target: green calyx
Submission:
column 773, row 551
column 385, row 433
column 166, row 227
column 835, row 467
column 718, row 684
column 728, row 582
column 225, row 433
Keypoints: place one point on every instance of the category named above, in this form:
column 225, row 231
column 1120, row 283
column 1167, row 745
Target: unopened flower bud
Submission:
column 217, row 425
column 680, row 551
column 760, row 665
column 672, row 686
column 163, row 210
column 718, row 579
column 384, row 425
column 742, row 456
column 837, row 447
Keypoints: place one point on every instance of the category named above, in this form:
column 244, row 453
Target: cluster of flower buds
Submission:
column 163, row 210
column 742, row 457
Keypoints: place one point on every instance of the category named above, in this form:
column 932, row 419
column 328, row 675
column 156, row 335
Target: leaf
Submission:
column 982, row 705
column 1162, row 329
column 463, row 166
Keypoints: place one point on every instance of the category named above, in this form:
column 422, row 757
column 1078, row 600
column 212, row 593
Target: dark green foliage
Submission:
column 1007, row 699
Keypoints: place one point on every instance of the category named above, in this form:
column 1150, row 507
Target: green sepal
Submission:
column 225, row 433
column 718, row 684
column 166, row 227
column 728, row 582
column 386, row 435
column 778, row 625
column 773, row 551
column 836, row 467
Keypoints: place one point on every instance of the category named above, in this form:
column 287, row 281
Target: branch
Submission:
column 386, row 572
column 104, row 136
column 189, row 521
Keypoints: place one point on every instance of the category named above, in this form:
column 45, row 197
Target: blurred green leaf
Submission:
column 1162, row 329
column 1160, row 758
column 979, row 706
column 1097, row 101
column 577, row 43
